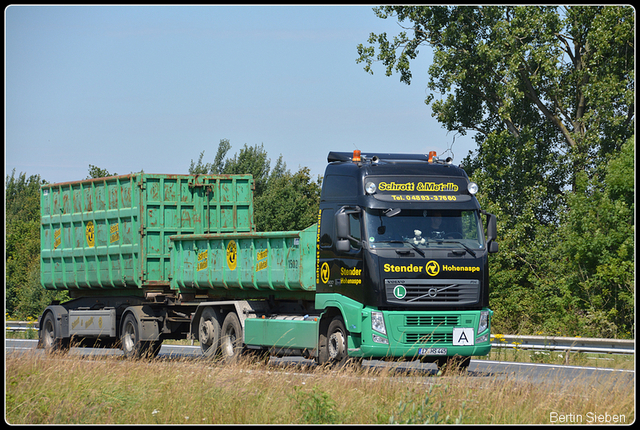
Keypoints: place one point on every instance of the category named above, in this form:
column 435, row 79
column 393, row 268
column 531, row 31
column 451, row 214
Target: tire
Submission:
column 337, row 342
column 231, row 339
column 209, row 332
column 48, row 336
column 130, row 337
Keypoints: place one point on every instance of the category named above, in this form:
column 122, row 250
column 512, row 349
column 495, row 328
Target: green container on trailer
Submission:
column 247, row 265
column 113, row 233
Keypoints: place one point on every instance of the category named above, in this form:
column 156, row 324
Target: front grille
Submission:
column 431, row 320
column 432, row 291
column 428, row 338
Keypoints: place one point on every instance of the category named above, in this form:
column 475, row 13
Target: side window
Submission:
column 326, row 228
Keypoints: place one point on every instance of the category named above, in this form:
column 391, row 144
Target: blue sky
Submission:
column 148, row 88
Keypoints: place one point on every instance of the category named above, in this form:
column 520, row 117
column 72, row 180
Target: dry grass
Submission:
column 110, row 390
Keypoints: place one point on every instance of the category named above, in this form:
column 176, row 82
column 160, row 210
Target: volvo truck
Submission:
column 395, row 268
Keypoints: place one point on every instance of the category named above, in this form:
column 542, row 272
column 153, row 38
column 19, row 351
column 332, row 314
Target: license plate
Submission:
column 432, row 351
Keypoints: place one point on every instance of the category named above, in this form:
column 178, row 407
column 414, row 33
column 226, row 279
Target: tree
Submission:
column 25, row 297
column 549, row 93
column 97, row 172
column 289, row 203
column 217, row 167
column 523, row 70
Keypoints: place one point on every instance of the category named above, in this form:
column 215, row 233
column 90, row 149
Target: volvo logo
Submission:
column 432, row 292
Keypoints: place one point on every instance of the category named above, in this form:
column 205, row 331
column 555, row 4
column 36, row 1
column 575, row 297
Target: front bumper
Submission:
column 422, row 335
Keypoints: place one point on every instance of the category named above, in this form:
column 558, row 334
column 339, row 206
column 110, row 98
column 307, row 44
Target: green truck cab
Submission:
column 401, row 245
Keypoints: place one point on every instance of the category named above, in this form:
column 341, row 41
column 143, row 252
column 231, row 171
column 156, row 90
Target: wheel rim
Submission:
column 206, row 332
column 336, row 345
column 229, row 341
column 48, row 334
column 129, row 336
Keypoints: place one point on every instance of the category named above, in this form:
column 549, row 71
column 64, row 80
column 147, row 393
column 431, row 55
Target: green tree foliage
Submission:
column 549, row 93
column 289, row 203
column 22, row 246
column 97, row 172
column 283, row 200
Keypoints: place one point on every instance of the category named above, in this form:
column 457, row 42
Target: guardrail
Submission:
column 567, row 344
column 543, row 343
column 17, row 326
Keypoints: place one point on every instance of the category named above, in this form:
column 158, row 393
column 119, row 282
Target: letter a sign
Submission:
column 463, row 336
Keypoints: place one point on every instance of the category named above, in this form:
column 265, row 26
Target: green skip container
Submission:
column 246, row 265
column 114, row 233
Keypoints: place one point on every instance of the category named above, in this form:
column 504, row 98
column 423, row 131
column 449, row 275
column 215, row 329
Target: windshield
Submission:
column 419, row 227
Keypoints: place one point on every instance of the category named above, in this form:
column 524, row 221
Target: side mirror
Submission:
column 342, row 226
column 343, row 245
column 343, row 230
column 492, row 233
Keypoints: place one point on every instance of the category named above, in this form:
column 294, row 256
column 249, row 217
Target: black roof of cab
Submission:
column 344, row 179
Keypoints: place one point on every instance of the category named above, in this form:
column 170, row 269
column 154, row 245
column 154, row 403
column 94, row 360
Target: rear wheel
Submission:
column 231, row 339
column 48, row 339
column 209, row 332
column 130, row 341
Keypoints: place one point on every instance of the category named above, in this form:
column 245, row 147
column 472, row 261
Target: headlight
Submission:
column 484, row 321
column 370, row 187
column 377, row 322
column 472, row 188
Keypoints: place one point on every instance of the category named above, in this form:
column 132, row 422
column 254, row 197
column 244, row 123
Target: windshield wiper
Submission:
column 469, row 250
column 402, row 241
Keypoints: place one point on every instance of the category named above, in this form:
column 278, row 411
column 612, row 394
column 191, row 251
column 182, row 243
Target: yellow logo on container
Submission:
column 91, row 238
column 232, row 255
column 115, row 233
column 263, row 262
column 57, row 238
column 203, row 260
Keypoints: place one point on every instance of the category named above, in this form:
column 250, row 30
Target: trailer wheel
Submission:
column 337, row 342
column 209, row 332
column 130, row 341
column 48, row 339
column 231, row 339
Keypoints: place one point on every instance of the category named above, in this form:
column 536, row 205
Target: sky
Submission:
column 148, row 88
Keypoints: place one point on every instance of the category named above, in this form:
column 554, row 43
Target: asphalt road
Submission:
column 480, row 369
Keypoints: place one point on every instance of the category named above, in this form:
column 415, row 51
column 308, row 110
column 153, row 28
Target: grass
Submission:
column 110, row 390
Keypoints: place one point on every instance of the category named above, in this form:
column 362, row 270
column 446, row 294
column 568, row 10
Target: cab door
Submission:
column 340, row 264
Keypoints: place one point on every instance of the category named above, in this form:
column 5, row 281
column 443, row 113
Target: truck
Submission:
column 395, row 268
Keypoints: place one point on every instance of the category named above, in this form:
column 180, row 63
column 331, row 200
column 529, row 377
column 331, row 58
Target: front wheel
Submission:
column 336, row 338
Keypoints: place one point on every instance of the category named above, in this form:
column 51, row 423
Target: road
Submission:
column 481, row 369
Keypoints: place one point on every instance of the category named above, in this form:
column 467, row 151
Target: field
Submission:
column 110, row 390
